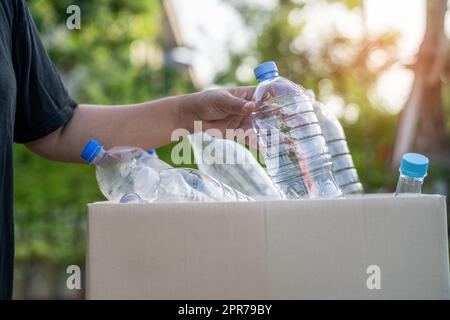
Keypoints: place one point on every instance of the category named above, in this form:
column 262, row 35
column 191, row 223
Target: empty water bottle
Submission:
column 232, row 164
column 154, row 162
column 181, row 184
column 344, row 170
column 413, row 170
column 288, row 131
column 131, row 197
column 126, row 170
column 121, row 170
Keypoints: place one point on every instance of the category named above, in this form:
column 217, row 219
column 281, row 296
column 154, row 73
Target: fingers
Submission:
column 235, row 105
column 243, row 92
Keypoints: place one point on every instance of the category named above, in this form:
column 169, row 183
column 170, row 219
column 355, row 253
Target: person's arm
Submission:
column 147, row 125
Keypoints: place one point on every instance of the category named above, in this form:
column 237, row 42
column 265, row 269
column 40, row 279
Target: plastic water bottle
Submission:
column 181, row 184
column 344, row 170
column 154, row 162
column 413, row 170
column 125, row 170
column 121, row 170
column 288, row 130
column 131, row 197
column 232, row 164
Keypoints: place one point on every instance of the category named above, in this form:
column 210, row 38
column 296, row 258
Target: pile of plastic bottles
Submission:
column 303, row 145
column 129, row 174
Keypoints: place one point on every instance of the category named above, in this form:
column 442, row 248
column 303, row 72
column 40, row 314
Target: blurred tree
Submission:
column 422, row 124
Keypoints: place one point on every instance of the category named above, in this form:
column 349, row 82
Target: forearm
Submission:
column 147, row 125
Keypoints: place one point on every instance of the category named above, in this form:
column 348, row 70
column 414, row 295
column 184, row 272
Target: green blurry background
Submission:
column 98, row 67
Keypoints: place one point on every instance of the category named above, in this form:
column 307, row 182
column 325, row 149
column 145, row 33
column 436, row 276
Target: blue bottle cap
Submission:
column 414, row 165
column 151, row 151
column 91, row 151
column 266, row 70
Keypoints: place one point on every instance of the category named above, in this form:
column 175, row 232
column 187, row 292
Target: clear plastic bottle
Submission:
column 344, row 170
column 124, row 170
column 232, row 164
column 181, row 184
column 131, row 197
column 413, row 170
column 154, row 162
column 121, row 170
column 289, row 133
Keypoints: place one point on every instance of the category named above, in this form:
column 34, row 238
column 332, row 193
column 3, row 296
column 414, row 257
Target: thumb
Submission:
column 234, row 105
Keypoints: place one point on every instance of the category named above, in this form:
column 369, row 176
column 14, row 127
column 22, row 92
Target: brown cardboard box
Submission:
column 371, row 247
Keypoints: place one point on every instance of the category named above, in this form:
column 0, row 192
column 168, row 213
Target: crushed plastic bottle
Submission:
column 232, row 164
column 124, row 170
column 288, row 131
column 413, row 170
column 120, row 170
column 131, row 197
column 181, row 184
column 154, row 162
column 344, row 170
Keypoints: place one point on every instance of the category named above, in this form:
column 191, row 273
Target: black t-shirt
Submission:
column 33, row 103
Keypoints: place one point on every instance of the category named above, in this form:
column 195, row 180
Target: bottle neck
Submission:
column 409, row 185
column 99, row 157
column 268, row 76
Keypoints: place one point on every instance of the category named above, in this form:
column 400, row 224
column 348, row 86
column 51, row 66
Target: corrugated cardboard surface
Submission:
column 300, row 249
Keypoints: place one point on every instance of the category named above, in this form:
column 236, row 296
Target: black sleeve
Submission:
column 43, row 104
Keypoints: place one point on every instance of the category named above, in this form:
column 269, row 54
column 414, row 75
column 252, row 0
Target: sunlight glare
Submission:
column 392, row 89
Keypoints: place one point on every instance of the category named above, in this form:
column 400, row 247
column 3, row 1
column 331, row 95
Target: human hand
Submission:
column 222, row 108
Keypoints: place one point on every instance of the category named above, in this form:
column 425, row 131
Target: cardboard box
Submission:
column 371, row 247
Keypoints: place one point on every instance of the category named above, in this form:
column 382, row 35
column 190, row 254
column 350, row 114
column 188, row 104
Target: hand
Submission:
column 222, row 108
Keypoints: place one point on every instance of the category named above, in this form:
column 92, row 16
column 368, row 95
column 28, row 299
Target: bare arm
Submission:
column 147, row 125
